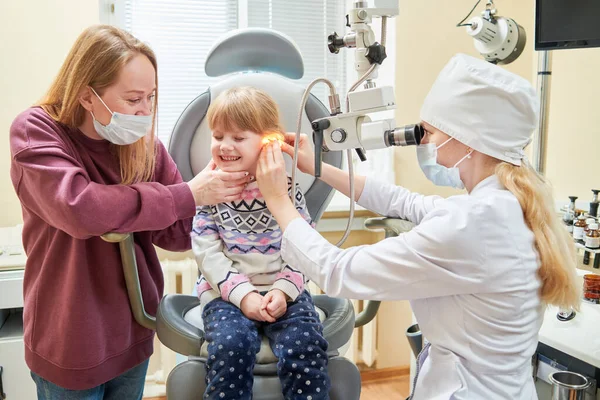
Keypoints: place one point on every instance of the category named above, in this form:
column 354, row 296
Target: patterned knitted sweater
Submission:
column 237, row 248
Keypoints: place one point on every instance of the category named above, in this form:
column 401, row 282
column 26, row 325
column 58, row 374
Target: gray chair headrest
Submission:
column 255, row 49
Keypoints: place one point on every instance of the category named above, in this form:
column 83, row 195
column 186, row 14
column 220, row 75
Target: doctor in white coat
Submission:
column 478, row 268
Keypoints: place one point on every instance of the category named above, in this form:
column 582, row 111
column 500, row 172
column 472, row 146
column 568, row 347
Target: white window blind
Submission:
column 308, row 23
column 182, row 31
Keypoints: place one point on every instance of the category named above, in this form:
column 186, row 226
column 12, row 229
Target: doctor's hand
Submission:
column 275, row 303
column 270, row 173
column 306, row 156
column 251, row 308
column 212, row 187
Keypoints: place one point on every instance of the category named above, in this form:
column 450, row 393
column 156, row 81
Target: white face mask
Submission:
column 436, row 173
column 123, row 129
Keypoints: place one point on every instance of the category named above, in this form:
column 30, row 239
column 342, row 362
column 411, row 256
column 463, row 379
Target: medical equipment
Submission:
column 568, row 385
column 500, row 40
column 559, row 25
column 354, row 129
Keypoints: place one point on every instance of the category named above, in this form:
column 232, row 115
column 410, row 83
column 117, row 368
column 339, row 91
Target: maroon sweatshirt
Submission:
column 79, row 329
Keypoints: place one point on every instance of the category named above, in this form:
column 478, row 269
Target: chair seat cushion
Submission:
column 179, row 325
column 264, row 356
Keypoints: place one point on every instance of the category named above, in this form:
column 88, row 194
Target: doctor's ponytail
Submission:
column 558, row 257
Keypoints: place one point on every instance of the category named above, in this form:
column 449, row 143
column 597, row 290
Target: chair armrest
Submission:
column 367, row 314
column 132, row 278
column 391, row 226
column 173, row 330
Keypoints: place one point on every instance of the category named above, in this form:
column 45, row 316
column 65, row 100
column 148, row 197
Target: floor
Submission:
column 392, row 389
column 396, row 388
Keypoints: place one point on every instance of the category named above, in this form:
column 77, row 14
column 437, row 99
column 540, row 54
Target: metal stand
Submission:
column 543, row 89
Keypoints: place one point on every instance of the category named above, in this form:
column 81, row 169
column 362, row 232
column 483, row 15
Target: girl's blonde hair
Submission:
column 554, row 244
column 95, row 60
column 244, row 109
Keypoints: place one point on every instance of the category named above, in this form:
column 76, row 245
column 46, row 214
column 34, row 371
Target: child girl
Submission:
column 245, row 287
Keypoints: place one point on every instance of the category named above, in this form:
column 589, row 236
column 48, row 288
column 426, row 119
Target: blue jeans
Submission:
column 296, row 339
column 127, row 386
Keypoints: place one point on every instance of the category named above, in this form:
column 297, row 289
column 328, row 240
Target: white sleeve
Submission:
column 289, row 280
column 216, row 269
column 440, row 257
column 395, row 201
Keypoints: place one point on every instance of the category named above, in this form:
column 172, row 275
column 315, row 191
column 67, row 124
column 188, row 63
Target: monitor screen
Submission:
column 567, row 24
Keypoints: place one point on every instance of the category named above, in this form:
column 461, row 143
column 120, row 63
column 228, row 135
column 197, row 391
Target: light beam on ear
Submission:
column 271, row 137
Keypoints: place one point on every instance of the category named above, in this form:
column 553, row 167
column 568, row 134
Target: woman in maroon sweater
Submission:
column 85, row 161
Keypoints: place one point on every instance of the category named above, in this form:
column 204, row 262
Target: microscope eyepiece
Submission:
column 407, row 135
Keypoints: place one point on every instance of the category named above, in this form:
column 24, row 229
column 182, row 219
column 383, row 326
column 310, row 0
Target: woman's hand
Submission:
column 213, row 187
column 273, row 184
column 270, row 173
column 306, row 156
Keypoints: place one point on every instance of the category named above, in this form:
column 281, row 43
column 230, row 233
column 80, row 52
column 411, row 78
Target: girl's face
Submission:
column 235, row 151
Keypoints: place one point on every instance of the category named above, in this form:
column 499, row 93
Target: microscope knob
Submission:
column 335, row 43
column 375, row 53
column 338, row 135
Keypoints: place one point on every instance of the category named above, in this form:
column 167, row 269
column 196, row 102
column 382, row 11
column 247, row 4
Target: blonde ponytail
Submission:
column 555, row 246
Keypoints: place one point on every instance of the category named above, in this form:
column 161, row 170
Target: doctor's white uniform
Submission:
column 469, row 267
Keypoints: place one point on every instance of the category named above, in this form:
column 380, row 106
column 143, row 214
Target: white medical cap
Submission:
column 483, row 106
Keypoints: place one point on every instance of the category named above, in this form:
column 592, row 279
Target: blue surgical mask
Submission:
column 123, row 129
column 436, row 173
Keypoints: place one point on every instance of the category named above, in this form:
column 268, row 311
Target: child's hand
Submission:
column 274, row 303
column 251, row 307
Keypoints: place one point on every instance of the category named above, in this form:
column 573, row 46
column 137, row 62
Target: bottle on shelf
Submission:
column 586, row 254
column 578, row 229
column 594, row 203
column 592, row 239
column 569, row 215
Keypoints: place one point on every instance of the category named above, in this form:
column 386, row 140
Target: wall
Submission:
column 35, row 38
column 427, row 39
column 574, row 125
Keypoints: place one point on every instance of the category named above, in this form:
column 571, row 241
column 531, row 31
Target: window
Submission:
column 181, row 32
column 308, row 23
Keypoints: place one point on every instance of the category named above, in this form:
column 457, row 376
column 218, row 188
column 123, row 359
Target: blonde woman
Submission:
column 85, row 161
column 246, row 289
column 478, row 268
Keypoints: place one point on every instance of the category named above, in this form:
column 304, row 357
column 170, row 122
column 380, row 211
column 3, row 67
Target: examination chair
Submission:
column 268, row 60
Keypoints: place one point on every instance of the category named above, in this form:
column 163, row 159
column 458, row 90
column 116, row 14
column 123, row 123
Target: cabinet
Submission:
column 16, row 379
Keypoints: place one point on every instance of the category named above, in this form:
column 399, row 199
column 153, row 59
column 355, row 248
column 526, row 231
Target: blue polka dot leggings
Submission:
column 296, row 339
